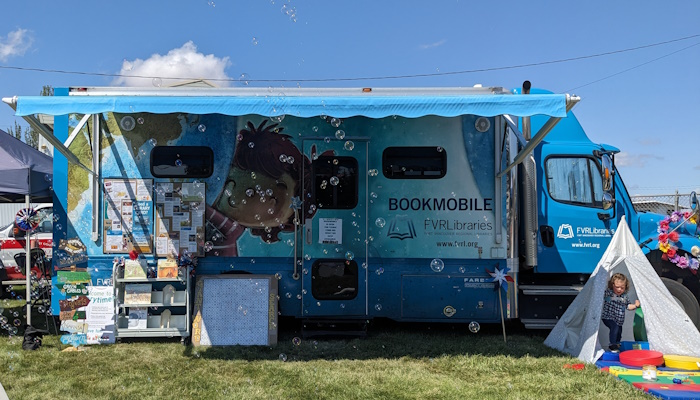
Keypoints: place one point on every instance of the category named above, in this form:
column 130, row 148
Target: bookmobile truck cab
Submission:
column 363, row 203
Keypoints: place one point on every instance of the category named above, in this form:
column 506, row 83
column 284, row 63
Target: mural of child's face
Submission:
column 256, row 200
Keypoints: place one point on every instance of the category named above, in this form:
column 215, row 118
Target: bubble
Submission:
column 178, row 162
column 380, row 222
column 340, row 134
column 335, row 161
column 249, row 192
column 55, row 218
column 3, row 320
column 254, row 41
column 327, row 139
column 296, row 341
column 349, row 145
column 244, row 79
column 208, row 246
column 324, row 183
column 139, row 121
column 335, row 180
column 439, row 149
column 474, row 327
column 157, row 82
column 335, row 122
column 437, row 265
column 462, row 270
column 372, row 172
column 48, row 178
column 201, row 127
column 290, row 160
column 17, row 322
column 378, row 307
column 283, row 158
column 380, row 270
column 41, row 309
column 283, row 357
column 314, row 128
column 307, row 257
column 349, row 255
column 373, row 195
column 153, row 142
column 251, row 145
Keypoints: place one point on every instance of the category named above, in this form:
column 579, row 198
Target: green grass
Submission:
column 396, row 361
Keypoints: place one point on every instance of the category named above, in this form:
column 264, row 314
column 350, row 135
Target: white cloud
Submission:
column 634, row 160
column 16, row 44
column 179, row 65
column 431, row 45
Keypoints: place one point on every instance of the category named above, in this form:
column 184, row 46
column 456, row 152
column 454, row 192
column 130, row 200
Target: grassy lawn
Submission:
column 395, row 361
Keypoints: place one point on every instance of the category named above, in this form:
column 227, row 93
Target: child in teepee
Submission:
column 614, row 306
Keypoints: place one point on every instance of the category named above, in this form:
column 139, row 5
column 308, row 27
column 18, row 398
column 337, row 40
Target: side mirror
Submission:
column 607, row 172
column 693, row 201
column 608, row 201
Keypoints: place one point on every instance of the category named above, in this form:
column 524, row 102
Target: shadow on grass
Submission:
column 390, row 340
column 385, row 339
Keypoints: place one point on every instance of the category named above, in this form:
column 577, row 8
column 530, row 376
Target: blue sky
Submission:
column 643, row 101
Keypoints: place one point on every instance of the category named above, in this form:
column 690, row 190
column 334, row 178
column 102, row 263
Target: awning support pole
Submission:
column 546, row 128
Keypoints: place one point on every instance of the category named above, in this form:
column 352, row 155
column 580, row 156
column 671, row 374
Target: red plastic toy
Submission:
column 639, row 358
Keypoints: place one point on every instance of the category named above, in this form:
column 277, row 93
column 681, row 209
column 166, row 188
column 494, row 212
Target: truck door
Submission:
column 572, row 236
column 334, row 273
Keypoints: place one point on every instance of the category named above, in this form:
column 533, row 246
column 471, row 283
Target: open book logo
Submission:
column 565, row 232
column 401, row 227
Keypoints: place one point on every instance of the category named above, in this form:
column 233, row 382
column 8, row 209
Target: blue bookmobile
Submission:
column 399, row 203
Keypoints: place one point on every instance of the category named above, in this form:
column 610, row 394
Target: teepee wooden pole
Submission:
column 503, row 323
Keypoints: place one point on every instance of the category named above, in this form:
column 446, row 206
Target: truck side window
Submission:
column 335, row 182
column 574, row 180
column 182, row 162
column 45, row 218
column 414, row 162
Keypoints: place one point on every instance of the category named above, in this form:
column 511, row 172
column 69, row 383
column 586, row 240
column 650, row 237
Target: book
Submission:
column 167, row 268
column 137, row 293
column 133, row 269
column 138, row 318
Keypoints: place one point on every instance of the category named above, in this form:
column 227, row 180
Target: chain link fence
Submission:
column 663, row 204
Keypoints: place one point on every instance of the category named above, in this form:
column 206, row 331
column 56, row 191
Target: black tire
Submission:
column 685, row 299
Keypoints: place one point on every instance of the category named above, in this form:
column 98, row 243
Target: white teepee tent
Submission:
column 669, row 329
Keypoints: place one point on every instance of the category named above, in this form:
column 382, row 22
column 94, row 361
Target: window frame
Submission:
column 199, row 152
column 591, row 181
column 411, row 153
column 315, row 165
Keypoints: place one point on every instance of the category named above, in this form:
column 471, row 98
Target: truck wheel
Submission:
column 684, row 297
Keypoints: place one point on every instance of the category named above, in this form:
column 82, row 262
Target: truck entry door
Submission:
column 334, row 272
